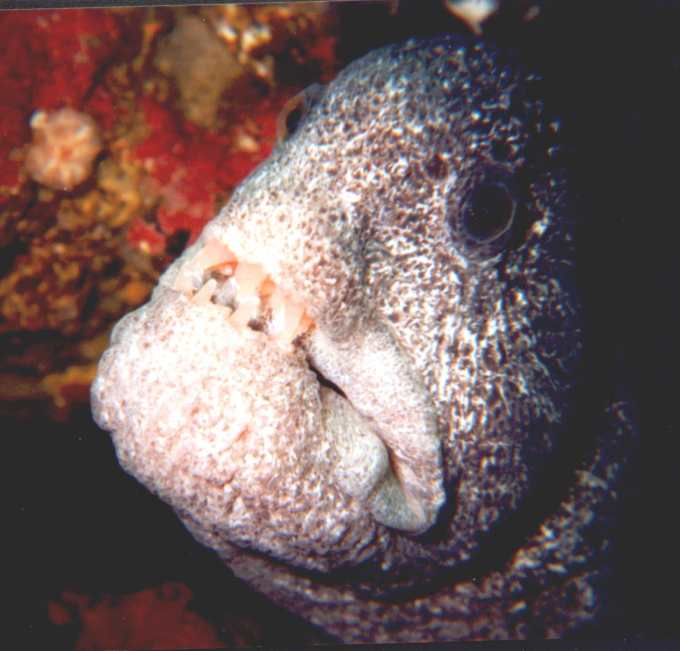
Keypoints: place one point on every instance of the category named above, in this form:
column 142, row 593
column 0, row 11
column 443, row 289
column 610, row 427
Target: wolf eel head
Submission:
column 364, row 364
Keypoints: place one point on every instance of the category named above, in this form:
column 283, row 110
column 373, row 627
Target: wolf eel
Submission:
column 363, row 384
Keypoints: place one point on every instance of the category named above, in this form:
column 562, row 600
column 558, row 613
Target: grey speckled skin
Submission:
column 456, row 488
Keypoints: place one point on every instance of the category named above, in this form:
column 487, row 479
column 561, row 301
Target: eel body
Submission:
column 363, row 384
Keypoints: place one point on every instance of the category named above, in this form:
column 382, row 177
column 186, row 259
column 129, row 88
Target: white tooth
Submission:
column 278, row 308
column 248, row 286
column 293, row 316
column 226, row 294
column 190, row 276
column 277, row 305
column 203, row 295
column 248, row 278
column 286, row 316
column 248, row 309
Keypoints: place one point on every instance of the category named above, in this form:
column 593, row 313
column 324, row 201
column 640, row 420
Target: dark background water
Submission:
column 613, row 72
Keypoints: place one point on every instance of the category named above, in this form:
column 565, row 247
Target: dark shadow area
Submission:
column 83, row 525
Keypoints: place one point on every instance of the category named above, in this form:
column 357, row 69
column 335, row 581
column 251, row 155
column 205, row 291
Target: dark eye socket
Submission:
column 488, row 211
column 296, row 110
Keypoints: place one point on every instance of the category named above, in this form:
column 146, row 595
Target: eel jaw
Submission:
column 382, row 425
column 212, row 396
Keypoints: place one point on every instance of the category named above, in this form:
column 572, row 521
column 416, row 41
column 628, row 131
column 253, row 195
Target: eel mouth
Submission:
column 376, row 415
column 253, row 302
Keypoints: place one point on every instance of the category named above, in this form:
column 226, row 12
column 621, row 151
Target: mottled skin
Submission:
column 454, row 491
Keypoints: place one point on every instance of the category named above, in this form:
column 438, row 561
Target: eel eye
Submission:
column 296, row 110
column 488, row 211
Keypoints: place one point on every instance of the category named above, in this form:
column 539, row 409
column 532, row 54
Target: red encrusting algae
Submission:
column 146, row 237
column 193, row 167
column 155, row 618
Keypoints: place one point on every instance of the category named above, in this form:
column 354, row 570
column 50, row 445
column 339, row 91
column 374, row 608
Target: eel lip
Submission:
column 385, row 424
column 377, row 415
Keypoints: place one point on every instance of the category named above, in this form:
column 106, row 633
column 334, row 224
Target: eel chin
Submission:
column 225, row 398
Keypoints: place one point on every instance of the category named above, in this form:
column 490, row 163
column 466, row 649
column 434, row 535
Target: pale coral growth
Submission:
column 65, row 144
column 201, row 66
